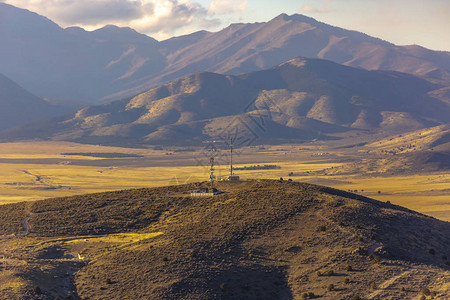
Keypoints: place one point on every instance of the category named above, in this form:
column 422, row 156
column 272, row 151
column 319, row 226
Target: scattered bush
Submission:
column 425, row 291
column 37, row 290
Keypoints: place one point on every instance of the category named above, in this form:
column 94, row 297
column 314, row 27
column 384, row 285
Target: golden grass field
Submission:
column 36, row 170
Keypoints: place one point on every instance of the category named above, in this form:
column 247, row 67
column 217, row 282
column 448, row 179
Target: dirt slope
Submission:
column 261, row 239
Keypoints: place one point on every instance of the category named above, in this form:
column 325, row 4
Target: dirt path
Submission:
column 389, row 282
column 25, row 225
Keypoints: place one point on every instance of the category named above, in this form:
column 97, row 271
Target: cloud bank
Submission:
column 158, row 18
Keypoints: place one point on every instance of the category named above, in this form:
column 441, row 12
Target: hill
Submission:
column 262, row 239
column 299, row 100
column 119, row 62
column 18, row 106
column 425, row 150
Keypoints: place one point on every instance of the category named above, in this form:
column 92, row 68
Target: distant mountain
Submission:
column 298, row 100
column 17, row 106
column 72, row 63
column 114, row 63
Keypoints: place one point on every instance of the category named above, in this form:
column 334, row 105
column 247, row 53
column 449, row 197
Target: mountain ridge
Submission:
column 124, row 63
column 301, row 99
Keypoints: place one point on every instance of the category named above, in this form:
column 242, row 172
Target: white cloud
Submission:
column 158, row 18
column 227, row 6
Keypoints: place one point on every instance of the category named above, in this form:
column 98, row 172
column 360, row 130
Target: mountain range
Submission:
column 113, row 63
column 301, row 99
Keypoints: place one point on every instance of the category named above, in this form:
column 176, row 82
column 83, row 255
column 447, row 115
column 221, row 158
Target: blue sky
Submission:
column 402, row 22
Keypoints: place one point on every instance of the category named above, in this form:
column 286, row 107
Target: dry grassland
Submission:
column 36, row 170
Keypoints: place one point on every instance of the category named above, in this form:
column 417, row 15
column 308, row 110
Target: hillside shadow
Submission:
column 253, row 281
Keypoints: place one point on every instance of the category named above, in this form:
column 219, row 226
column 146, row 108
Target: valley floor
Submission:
column 37, row 170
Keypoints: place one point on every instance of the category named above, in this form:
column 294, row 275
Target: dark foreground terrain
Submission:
column 262, row 239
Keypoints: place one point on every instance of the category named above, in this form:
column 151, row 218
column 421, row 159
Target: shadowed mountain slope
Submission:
column 262, row 239
column 114, row 63
column 18, row 106
column 298, row 100
column 72, row 64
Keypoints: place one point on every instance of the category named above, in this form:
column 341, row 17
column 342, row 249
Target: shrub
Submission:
column 403, row 289
column 355, row 297
column 373, row 286
column 431, row 251
column 319, row 273
column 322, row 228
column 349, row 268
column 347, row 280
column 330, row 273
column 425, row 291
column 223, row 286
column 37, row 290
column 108, row 281
column 330, row 287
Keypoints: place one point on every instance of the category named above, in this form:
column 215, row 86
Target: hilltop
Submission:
column 261, row 239
column 302, row 99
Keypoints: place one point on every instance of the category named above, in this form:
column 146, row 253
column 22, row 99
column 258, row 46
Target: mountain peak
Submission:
column 295, row 17
column 123, row 33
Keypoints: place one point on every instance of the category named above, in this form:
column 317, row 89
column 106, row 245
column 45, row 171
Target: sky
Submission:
column 402, row 22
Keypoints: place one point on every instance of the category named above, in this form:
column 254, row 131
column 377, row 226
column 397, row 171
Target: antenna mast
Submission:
column 211, row 176
column 231, row 157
